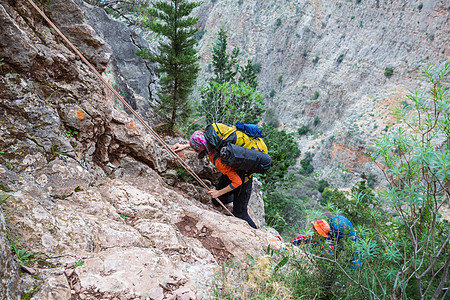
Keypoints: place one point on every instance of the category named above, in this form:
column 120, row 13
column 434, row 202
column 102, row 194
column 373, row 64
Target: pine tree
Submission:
column 177, row 59
column 248, row 75
column 225, row 65
column 226, row 98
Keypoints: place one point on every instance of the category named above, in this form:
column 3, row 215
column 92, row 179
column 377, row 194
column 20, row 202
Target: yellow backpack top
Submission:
column 235, row 136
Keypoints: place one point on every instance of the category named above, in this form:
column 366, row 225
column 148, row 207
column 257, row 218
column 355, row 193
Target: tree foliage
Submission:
column 177, row 58
column 225, row 65
column 248, row 75
column 307, row 168
column 230, row 95
column 230, row 102
column 356, row 205
column 283, row 150
column 282, row 210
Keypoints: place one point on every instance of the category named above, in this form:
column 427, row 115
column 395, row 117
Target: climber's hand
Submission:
column 214, row 193
column 178, row 147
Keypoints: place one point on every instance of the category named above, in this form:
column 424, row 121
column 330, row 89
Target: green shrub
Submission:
column 199, row 35
column 322, row 185
column 307, row 168
column 304, row 130
column 230, row 102
column 271, row 118
column 278, row 23
column 272, row 93
column 371, row 181
column 340, row 58
column 280, row 79
column 332, row 196
column 257, row 67
column 283, row 149
column 282, row 211
column 388, row 72
column 316, row 59
column 316, row 120
column 315, row 95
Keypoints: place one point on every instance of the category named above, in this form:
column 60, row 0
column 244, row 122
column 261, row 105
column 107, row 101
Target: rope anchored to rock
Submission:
column 138, row 117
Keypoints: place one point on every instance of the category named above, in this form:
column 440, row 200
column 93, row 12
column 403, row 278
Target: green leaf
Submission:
column 251, row 259
column 78, row 264
column 281, row 264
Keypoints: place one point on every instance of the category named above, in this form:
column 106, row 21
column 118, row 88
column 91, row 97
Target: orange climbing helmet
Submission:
column 322, row 227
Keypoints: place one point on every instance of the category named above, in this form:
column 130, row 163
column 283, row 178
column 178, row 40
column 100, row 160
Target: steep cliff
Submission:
column 323, row 65
column 98, row 207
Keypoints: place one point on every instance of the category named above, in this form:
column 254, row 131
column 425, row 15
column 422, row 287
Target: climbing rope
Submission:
column 108, row 85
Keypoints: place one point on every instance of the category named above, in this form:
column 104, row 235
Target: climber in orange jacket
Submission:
column 234, row 186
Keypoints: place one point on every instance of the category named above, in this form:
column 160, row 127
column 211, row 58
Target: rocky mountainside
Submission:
column 323, row 65
column 90, row 203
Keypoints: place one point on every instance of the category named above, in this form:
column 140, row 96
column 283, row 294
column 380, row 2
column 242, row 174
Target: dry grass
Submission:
column 261, row 278
column 254, row 279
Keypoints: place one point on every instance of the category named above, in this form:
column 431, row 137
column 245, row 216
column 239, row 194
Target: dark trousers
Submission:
column 239, row 196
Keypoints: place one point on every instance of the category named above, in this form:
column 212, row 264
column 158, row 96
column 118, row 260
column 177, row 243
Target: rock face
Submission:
column 324, row 63
column 91, row 195
column 9, row 273
column 135, row 78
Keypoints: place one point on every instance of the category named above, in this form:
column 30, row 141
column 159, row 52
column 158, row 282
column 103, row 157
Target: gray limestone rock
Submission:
column 134, row 75
column 69, row 18
column 256, row 204
column 54, row 287
column 9, row 271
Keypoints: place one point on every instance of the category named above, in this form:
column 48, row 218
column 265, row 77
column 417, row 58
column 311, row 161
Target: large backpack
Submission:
column 342, row 227
column 238, row 149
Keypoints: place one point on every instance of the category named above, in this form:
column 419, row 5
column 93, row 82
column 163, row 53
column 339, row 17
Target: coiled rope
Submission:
column 108, row 85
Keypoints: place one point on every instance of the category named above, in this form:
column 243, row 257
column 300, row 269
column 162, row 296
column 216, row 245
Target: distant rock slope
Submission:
column 93, row 197
column 324, row 62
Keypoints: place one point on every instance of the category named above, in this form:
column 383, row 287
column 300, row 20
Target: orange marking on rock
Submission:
column 131, row 125
column 80, row 114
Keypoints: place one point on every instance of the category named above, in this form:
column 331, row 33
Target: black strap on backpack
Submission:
column 248, row 160
column 213, row 138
